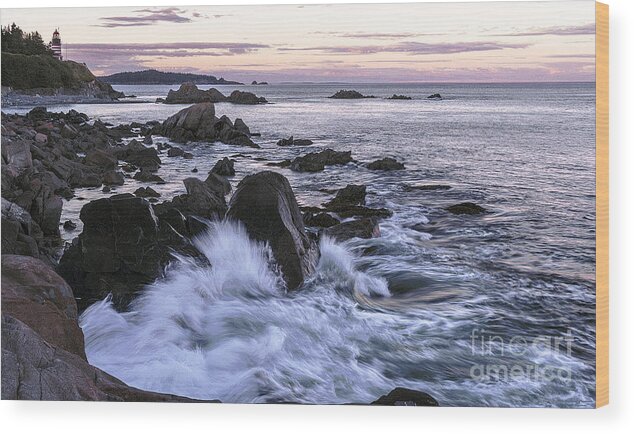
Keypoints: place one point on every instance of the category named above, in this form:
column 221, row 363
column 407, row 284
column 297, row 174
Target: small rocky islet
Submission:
column 128, row 239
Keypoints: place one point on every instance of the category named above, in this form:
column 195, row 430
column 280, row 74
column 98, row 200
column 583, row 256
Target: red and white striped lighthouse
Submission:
column 56, row 45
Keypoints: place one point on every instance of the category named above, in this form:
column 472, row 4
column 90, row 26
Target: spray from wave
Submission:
column 229, row 330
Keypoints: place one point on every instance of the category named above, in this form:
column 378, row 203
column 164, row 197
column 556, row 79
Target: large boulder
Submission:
column 240, row 97
column 266, row 205
column 317, row 161
column 386, row 163
column 33, row 293
column 119, row 250
column 199, row 123
column 188, row 93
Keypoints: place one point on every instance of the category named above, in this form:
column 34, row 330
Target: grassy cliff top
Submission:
column 21, row 71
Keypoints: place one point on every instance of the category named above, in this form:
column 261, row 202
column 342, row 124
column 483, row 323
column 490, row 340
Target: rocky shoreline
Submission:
column 128, row 239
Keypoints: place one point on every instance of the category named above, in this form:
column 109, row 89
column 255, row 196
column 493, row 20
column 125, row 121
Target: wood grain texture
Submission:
column 602, row 205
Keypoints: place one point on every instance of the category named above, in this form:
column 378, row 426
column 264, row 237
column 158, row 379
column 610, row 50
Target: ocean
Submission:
column 489, row 310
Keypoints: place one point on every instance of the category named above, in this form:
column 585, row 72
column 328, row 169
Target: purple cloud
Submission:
column 147, row 17
column 413, row 48
column 585, row 29
column 168, row 49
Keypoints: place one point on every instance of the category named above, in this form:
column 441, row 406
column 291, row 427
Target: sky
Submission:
column 356, row 43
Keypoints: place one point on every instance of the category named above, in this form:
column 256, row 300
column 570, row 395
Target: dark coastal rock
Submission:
column 406, row 397
column 146, row 192
column 147, row 176
column 291, row 141
column 363, row 228
column 434, row 96
column 349, row 94
column 199, row 123
column 320, row 220
column 400, row 97
column 351, row 195
column 17, row 154
column 224, row 167
column 387, row 163
column 69, row 225
column 266, row 205
column 100, row 159
column 204, row 199
column 118, row 251
column 317, row 161
column 33, row 293
column 188, row 93
column 219, row 184
column 20, row 234
column 175, row 151
column 112, row 177
column 241, row 126
column 240, row 97
column 469, row 208
column 146, row 159
column 34, row 369
column 350, row 201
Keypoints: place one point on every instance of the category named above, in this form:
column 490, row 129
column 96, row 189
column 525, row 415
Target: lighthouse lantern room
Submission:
column 56, row 45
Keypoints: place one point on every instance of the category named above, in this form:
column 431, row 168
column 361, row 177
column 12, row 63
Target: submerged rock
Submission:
column 350, row 195
column 406, row 397
column 349, row 94
column 466, row 208
column 320, row 220
column 317, row 161
column 240, row 97
column 363, row 228
column 291, row 141
column 386, row 163
column 401, row 97
column 266, row 205
column 434, row 96
column 70, row 225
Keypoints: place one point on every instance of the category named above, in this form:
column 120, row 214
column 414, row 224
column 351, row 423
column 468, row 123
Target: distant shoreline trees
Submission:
column 16, row 41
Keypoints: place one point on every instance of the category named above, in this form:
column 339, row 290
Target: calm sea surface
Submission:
column 472, row 299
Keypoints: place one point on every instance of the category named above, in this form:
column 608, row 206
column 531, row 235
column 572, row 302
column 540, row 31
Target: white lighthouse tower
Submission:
column 56, row 45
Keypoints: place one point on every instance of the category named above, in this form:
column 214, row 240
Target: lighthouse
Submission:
column 56, row 45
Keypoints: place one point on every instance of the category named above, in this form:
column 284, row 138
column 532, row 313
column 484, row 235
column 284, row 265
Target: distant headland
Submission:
column 152, row 76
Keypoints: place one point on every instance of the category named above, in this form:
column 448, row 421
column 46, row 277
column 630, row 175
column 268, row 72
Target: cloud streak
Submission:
column 147, row 17
column 412, row 48
column 585, row 29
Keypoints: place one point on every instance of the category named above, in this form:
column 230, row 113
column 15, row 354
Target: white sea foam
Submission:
column 229, row 331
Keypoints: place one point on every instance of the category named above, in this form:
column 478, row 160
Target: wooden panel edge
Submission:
column 602, row 396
